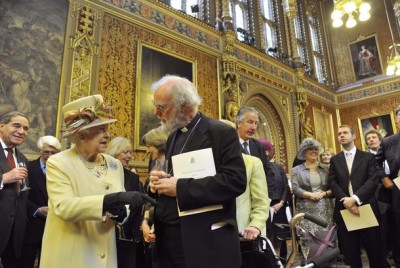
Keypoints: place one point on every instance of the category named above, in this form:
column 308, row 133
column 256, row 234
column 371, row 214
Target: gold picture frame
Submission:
column 384, row 123
column 323, row 125
column 154, row 63
column 365, row 57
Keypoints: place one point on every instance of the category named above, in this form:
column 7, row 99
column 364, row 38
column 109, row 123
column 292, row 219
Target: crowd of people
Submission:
column 86, row 207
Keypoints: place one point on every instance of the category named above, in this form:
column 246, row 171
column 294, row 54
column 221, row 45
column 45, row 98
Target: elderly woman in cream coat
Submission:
column 85, row 189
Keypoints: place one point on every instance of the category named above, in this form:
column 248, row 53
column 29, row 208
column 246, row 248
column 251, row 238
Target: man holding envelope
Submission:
column 353, row 177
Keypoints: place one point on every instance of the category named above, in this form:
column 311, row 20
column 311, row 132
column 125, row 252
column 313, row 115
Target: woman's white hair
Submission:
column 49, row 140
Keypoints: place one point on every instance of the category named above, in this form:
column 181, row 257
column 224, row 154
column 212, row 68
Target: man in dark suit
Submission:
column 246, row 126
column 353, row 178
column 389, row 152
column 37, row 201
column 208, row 239
column 14, row 128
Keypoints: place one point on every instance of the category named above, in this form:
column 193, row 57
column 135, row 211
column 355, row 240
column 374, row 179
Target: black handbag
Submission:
column 258, row 253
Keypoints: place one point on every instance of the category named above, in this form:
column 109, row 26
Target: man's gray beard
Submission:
column 178, row 122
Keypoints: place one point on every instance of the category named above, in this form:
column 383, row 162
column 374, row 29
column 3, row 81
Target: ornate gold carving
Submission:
column 84, row 49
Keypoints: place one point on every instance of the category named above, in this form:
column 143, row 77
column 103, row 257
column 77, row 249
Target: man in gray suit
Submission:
column 389, row 151
column 13, row 131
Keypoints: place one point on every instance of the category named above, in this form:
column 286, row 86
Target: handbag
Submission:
column 322, row 242
column 258, row 253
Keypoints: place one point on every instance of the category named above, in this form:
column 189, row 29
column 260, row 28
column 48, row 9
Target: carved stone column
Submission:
column 305, row 128
column 290, row 11
column 230, row 88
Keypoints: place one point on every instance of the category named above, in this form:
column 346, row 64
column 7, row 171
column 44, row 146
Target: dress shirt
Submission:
column 350, row 160
column 248, row 144
column 5, row 147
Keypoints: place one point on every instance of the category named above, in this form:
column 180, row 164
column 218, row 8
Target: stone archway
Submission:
column 271, row 126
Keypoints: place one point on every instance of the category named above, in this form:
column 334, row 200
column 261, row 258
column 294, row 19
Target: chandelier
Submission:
column 394, row 58
column 350, row 8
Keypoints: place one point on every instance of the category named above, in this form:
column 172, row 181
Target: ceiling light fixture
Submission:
column 394, row 58
column 349, row 8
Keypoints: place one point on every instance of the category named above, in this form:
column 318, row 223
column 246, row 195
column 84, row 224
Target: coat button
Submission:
column 107, row 187
column 102, row 255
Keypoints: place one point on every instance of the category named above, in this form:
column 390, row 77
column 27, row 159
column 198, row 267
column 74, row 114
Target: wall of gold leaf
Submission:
column 117, row 74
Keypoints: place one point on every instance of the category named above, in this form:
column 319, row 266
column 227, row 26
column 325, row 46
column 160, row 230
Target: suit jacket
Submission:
column 12, row 207
column 202, row 246
column 364, row 180
column 252, row 207
column 37, row 198
column 301, row 179
column 389, row 151
column 257, row 149
column 278, row 186
column 132, row 225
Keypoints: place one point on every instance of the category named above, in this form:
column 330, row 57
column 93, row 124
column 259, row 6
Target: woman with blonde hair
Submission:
column 326, row 156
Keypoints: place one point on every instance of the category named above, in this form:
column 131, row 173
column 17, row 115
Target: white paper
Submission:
column 197, row 165
column 397, row 182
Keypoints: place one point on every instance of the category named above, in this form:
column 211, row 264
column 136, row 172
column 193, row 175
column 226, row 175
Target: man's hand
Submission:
column 154, row 178
column 250, row 233
column 16, row 174
column 43, row 211
column 348, row 202
column 166, row 186
column 387, row 183
column 354, row 210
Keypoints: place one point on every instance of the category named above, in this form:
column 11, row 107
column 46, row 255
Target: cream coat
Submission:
column 252, row 207
column 75, row 234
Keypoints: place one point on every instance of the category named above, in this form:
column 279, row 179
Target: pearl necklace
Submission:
column 99, row 170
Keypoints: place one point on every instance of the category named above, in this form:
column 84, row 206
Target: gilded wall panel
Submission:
column 117, row 74
column 350, row 115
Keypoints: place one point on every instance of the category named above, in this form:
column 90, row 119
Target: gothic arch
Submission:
column 274, row 124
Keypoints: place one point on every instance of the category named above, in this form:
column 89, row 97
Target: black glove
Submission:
column 118, row 212
column 133, row 199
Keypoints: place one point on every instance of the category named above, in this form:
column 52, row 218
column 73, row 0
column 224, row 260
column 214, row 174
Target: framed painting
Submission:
column 365, row 58
column 323, row 125
column 154, row 63
column 384, row 124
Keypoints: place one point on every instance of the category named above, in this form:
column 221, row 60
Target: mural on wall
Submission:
column 31, row 49
column 365, row 58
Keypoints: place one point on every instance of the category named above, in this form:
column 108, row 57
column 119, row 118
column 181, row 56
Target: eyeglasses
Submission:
column 49, row 152
column 160, row 107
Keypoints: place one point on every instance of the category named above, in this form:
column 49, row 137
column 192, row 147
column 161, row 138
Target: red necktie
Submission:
column 11, row 164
